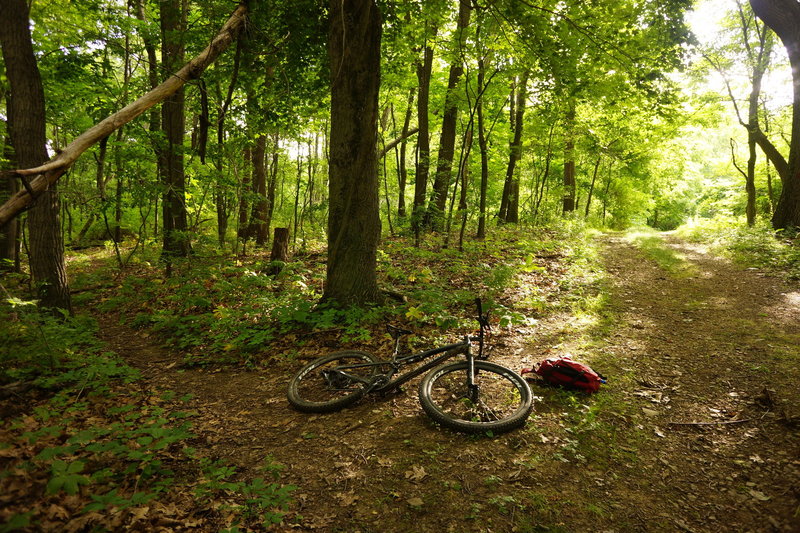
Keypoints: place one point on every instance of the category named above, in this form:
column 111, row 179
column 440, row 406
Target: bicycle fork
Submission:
column 472, row 387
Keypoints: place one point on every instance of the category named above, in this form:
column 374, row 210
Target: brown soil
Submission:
column 697, row 429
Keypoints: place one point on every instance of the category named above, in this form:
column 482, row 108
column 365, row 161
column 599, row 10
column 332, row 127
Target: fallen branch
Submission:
column 392, row 144
column 47, row 174
column 720, row 423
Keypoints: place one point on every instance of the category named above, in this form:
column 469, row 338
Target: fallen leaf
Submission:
column 139, row 513
column 346, row 498
column 57, row 512
column 417, row 473
column 758, row 495
column 415, row 502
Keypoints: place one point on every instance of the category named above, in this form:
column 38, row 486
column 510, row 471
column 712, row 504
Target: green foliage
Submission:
column 265, row 501
column 759, row 246
column 56, row 352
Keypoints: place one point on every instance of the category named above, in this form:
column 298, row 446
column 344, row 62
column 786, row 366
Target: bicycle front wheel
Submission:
column 332, row 382
column 501, row 402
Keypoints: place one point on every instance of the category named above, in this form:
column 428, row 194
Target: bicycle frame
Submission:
column 384, row 382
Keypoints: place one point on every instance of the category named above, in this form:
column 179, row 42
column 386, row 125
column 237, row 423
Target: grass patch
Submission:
column 654, row 248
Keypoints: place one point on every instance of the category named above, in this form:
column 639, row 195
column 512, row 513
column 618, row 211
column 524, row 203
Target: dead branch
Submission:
column 720, row 423
column 47, row 174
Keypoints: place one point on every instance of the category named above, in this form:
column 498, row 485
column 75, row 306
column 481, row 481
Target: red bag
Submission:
column 565, row 372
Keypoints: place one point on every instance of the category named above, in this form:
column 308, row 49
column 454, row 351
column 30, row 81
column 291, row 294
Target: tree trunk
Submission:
column 9, row 234
column 273, row 181
column 484, row 149
column 569, row 161
column 354, row 224
column 26, row 127
column 783, row 16
column 244, row 195
column 258, row 221
column 280, row 250
column 176, row 241
column 591, row 187
column 447, row 140
column 423, row 138
column 402, row 173
column 509, row 206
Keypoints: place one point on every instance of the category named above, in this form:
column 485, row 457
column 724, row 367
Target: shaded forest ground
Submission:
column 697, row 429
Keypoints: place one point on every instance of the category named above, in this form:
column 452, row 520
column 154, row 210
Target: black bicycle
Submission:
column 471, row 396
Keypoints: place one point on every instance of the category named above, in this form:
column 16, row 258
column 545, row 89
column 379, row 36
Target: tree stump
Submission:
column 280, row 251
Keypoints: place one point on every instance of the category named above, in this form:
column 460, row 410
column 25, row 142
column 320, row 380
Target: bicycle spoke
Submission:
column 500, row 402
column 332, row 382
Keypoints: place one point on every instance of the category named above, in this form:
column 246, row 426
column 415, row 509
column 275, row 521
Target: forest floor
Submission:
column 696, row 430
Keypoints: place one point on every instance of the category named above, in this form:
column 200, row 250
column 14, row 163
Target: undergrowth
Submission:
column 223, row 310
column 85, row 446
column 759, row 246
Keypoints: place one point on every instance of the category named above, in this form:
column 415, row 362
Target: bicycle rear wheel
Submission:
column 502, row 401
column 327, row 384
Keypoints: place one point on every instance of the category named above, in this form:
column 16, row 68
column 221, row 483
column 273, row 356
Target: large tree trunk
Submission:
column 273, row 181
column 447, row 140
column 26, row 124
column 173, row 180
column 783, row 16
column 354, row 224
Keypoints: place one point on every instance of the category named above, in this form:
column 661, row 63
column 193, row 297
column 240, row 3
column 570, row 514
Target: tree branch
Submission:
column 385, row 150
column 50, row 172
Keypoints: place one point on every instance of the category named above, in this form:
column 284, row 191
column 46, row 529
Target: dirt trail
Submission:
column 696, row 349
column 719, row 345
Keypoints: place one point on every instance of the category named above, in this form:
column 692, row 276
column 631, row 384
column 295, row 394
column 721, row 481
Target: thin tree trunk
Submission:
column 511, row 190
column 569, row 161
column 434, row 216
column 591, row 187
column 546, row 172
column 244, row 195
column 9, row 234
column 402, row 173
column 484, row 149
column 259, row 219
column 423, row 139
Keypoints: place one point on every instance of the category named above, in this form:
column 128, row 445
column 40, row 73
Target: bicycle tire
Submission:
column 310, row 392
column 504, row 399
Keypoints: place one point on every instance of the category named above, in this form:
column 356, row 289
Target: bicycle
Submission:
column 470, row 396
